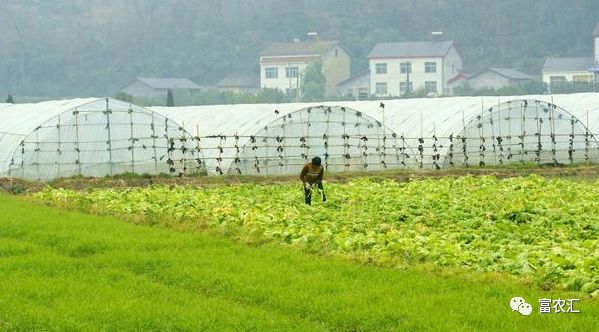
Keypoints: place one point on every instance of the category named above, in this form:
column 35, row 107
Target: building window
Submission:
column 430, row 67
column 405, row 88
column 381, row 88
column 381, row 68
column 405, row 67
column 582, row 78
column 363, row 94
column 336, row 52
column 291, row 72
column 557, row 80
column 430, row 87
column 271, row 72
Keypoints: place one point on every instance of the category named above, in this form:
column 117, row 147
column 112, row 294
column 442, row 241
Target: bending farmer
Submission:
column 311, row 175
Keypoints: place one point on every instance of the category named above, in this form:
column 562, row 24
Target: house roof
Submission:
column 509, row 73
column 169, row 83
column 301, row 48
column 411, row 49
column 358, row 77
column 596, row 30
column 233, row 80
column 568, row 64
column 459, row 77
column 288, row 59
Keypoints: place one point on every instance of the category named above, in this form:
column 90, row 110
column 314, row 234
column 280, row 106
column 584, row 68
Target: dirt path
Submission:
column 16, row 186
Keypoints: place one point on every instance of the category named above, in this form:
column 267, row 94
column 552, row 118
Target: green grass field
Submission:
column 67, row 271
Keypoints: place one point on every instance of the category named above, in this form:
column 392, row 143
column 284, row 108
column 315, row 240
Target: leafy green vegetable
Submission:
column 542, row 229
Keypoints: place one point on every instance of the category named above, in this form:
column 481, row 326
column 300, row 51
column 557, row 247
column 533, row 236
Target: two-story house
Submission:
column 565, row 70
column 283, row 64
column 397, row 69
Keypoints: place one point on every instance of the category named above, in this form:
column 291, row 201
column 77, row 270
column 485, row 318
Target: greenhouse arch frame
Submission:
column 93, row 137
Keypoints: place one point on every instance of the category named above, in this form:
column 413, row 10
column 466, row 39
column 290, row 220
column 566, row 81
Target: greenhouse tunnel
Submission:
column 431, row 126
column 102, row 136
column 521, row 131
column 346, row 139
column 424, row 124
column 91, row 137
column 278, row 139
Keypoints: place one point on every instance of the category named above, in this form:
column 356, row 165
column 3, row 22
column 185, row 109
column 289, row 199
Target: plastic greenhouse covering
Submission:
column 279, row 139
column 98, row 137
column 89, row 137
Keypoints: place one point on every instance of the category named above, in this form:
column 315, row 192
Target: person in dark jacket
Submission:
column 311, row 175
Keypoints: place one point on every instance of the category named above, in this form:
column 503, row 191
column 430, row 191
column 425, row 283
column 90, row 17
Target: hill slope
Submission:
column 71, row 47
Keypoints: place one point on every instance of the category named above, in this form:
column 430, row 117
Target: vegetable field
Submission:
column 544, row 230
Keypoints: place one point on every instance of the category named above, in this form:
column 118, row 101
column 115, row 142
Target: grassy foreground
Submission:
column 71, row 271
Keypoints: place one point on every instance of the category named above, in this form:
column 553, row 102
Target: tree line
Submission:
column 95, row 47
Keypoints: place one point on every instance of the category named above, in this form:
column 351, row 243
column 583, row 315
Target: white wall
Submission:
column 569, row 75
column 447, row 68
column 452, row 66
column 282, row 82
column 394, row 76
column 335, row 67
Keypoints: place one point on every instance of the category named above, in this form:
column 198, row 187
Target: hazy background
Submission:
column 94, row 47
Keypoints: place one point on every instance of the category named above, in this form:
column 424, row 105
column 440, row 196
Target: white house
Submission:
column 559, row 71
column 596, row 43
column 282, row 64
column 595, row 68
column 397, row 69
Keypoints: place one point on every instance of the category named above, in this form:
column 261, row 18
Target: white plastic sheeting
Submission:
column 580, row 105
column 97, row 137
column 418, row 133
column 406, row 121
column 464, row 131
column 19, row 120
column 90, row 137
column 524, row 131
column 280, row 138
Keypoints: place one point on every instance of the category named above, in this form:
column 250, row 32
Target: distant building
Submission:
column 596, row 43
column 595, row 68
column 241, row 84
column 149, row 87
column 397, row 69
column 557, row 71
column 282, row 64
column 357, row 87
column 459, row 80
column 584, row 70
column 497, row 78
